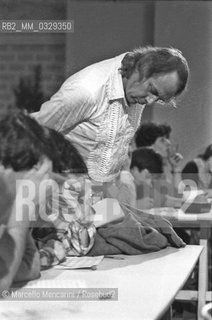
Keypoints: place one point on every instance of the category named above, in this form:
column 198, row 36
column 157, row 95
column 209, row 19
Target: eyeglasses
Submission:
column 155, row 97
column 151, row 98
column 169, row 103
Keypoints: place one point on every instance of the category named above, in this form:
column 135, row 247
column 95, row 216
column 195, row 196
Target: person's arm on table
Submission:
column 173, row 202
column 145, row 203
column 19, row 260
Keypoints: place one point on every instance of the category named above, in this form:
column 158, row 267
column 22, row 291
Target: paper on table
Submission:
column 165, row 211
column 80, row 262
column 190, row 195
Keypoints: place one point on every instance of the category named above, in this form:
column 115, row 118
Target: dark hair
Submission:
column 207, row 154
column 148, row 132
column 190, row 172
column 23, row 142
column 68, row 157
column 166, row 130
column 20, row 144
column 146, row 158
column 151, row 61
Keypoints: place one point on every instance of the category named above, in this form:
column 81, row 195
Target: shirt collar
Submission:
column 115, row 85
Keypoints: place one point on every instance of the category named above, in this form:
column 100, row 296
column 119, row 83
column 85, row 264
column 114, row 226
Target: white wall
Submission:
column 188, row 27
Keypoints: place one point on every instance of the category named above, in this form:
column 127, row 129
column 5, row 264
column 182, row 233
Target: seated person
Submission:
column 23, row 145
column 142, row 184
column 19, row 258
column 67, row 227
column 199, row 170
column 151, row 187
column 151, row 191
column 157, row 136
column 146, row 167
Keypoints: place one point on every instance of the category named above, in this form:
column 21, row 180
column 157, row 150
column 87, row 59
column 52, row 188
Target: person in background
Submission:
column 199, row 170
column 19, row 257
column 99, row 108
column 141, row 184
column 157, row 136
column 69, row 229
column 197, row 175
column 23, row 146
column 146, row 167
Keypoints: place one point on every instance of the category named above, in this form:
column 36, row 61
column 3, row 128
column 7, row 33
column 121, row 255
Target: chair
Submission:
column 207, row 311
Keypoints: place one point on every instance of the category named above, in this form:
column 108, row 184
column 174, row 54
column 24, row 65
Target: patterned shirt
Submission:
column 63, row 219
column 90, row 109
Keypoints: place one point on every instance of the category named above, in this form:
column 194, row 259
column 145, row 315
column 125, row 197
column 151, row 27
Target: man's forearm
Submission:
column 12, row 246
column 29, row 268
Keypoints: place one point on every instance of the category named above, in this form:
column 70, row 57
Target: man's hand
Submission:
column 175, row 160
column 145, row 203
column 29, row 268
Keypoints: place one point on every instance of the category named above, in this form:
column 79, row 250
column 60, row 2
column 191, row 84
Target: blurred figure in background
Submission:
column 199, row 170
column 146, row 167
column 22, row 158
column 19, row 257
column 24, row 144
column 157, row 136
column 134, row 186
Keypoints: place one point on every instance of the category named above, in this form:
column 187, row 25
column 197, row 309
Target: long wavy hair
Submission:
column 23, row 142
column 151, row 61
column 149, row 132
column 207, row 153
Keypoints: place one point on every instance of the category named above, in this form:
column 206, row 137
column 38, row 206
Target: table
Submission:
column 203, row 221
column 147, row 285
